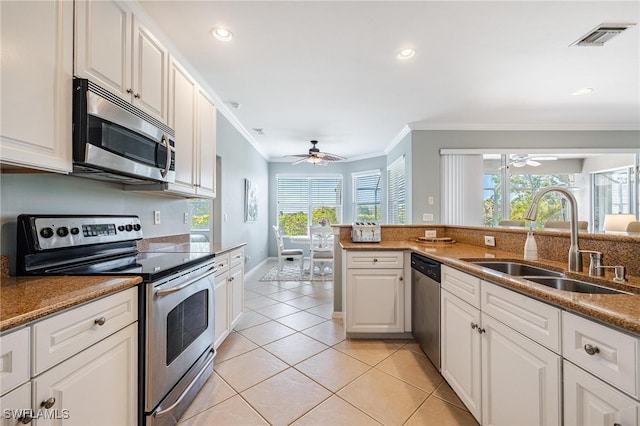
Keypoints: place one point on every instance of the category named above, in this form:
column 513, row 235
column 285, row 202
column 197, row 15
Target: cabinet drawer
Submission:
column 61, row 336
column 530, row 317
column 14, row 360
column 614, row 354
column 465, row 286
column 222, row 263
column 236, row 257
column 375, row 259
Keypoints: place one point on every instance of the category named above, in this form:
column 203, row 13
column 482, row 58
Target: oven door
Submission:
column 179, row 329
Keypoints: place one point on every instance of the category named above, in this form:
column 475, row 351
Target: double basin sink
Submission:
column 549, row 278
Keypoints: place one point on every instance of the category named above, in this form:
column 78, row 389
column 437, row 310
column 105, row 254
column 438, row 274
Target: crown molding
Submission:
column 623, row 126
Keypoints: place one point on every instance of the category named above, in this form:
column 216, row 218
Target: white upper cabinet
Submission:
column 114, row 50
column 206, row 137
column 37, row 68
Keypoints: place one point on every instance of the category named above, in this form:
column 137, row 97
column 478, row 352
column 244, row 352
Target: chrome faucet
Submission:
column 575, row 258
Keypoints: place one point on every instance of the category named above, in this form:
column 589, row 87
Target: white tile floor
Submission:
column 287, row 362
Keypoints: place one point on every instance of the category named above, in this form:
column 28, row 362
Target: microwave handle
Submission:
column 165, row 141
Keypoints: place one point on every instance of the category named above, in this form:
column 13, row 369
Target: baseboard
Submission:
column 336, row 315
column 255, row 268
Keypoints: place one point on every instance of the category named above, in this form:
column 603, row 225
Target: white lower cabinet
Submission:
column 590, row 401
column 228, row 293
column 374, row 291
column 502, row 376
column 520, row 378
column 97, row 386
column 16, row 406
column 460, row 350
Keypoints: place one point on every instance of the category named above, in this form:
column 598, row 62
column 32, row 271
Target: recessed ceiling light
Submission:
column 407, row 53
column 583, row 92
column 222, row 34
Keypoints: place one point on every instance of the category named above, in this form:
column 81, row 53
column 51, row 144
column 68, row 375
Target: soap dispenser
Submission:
column 530, row 247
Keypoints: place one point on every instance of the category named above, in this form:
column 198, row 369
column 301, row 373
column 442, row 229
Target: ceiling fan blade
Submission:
column 302, row 160
column 332, row 157
column 533, row 163
column 297, row 155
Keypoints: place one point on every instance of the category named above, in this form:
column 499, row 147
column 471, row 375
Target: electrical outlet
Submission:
column 156, row 217
column 427, row 217
column 185, row 218
column 489, row 241
column 431, row 233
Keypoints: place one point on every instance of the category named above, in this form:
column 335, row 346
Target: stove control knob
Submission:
column 62, row 231
column 137, row 227
column 128, row 228
column 121, row 228
column 75, row 231
column 46, row 232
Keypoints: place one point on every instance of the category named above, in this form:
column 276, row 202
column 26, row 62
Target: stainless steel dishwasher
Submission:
column 425, row 305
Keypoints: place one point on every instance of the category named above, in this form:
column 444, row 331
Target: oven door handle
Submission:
column 167, row 291
column 161, row 413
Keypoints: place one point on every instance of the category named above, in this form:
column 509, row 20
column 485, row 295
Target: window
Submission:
column 396, row 208
column 201, row 220
column 304, row 200
column 612, row 194
column 366, row 196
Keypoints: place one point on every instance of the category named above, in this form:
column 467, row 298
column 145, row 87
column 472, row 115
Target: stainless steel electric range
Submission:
column 176, row 304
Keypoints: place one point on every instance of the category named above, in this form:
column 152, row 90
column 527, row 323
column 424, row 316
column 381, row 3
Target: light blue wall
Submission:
column 240, row 161
column 341, row 168
column 45, row 193
column 426, row 145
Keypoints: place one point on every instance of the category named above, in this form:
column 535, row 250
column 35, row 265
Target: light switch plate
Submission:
column 185, row 218
column 156, row 217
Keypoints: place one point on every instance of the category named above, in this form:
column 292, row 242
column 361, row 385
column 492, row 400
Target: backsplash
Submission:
column 552, row 245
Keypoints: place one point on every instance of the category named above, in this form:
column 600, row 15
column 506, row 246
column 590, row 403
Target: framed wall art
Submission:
column 250, row 201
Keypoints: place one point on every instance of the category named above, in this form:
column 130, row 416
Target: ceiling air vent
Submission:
column 601, row 35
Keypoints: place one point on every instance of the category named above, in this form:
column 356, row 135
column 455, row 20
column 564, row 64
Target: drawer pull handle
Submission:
column 375, row 260
column 48, row 403
column 26, row 419
column 100, row 321
column 590, row 349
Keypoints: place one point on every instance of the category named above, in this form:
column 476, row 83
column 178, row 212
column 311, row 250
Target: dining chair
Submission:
column 320, row 248
column 286, row 254
column 633, row 226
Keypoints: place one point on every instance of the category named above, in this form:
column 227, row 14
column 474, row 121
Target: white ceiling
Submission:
column 327, row 70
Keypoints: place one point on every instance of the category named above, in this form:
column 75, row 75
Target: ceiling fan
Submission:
column 315, row 156
column 521, row 160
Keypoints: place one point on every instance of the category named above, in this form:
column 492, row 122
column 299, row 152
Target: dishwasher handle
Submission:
column 426, row 266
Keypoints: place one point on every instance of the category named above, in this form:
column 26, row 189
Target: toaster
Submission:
column 365, row 232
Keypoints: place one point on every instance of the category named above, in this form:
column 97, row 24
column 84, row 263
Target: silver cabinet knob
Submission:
column 375, row 260
column 481, row 330
column 590, row 349
column 137, row 96
column 129, row 90
column 100, row 321
column 48, row 403
column 474, row 326
column 25, row 419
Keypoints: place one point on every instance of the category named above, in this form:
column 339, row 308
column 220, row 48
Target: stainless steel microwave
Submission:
column 115, row 141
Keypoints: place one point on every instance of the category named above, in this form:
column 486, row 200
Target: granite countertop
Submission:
column 619, row 310
column 25, row 299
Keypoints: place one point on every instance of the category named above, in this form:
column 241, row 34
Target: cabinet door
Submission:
column 206, row 137
column 221, row 311
column 150, row 68
column 460, row 346
column 182, row 119
column 589, row 401
column 236, row 295
column 375, row 300
column 520, row 378
column 36, row 68
column 98, row 386
column 16, row 406
column 103, row 45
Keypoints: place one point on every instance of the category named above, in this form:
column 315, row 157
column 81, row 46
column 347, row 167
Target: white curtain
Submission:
column 461, row 189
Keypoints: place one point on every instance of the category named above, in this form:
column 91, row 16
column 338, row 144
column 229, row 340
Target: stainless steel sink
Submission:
column 517, row 269
column 568, row 284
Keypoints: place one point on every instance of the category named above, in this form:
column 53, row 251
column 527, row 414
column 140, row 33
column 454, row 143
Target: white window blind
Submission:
column 304, row 200
column 367, row 196
column 396, row 208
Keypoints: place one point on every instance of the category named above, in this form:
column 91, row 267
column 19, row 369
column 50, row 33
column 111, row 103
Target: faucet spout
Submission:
column 575, row 258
